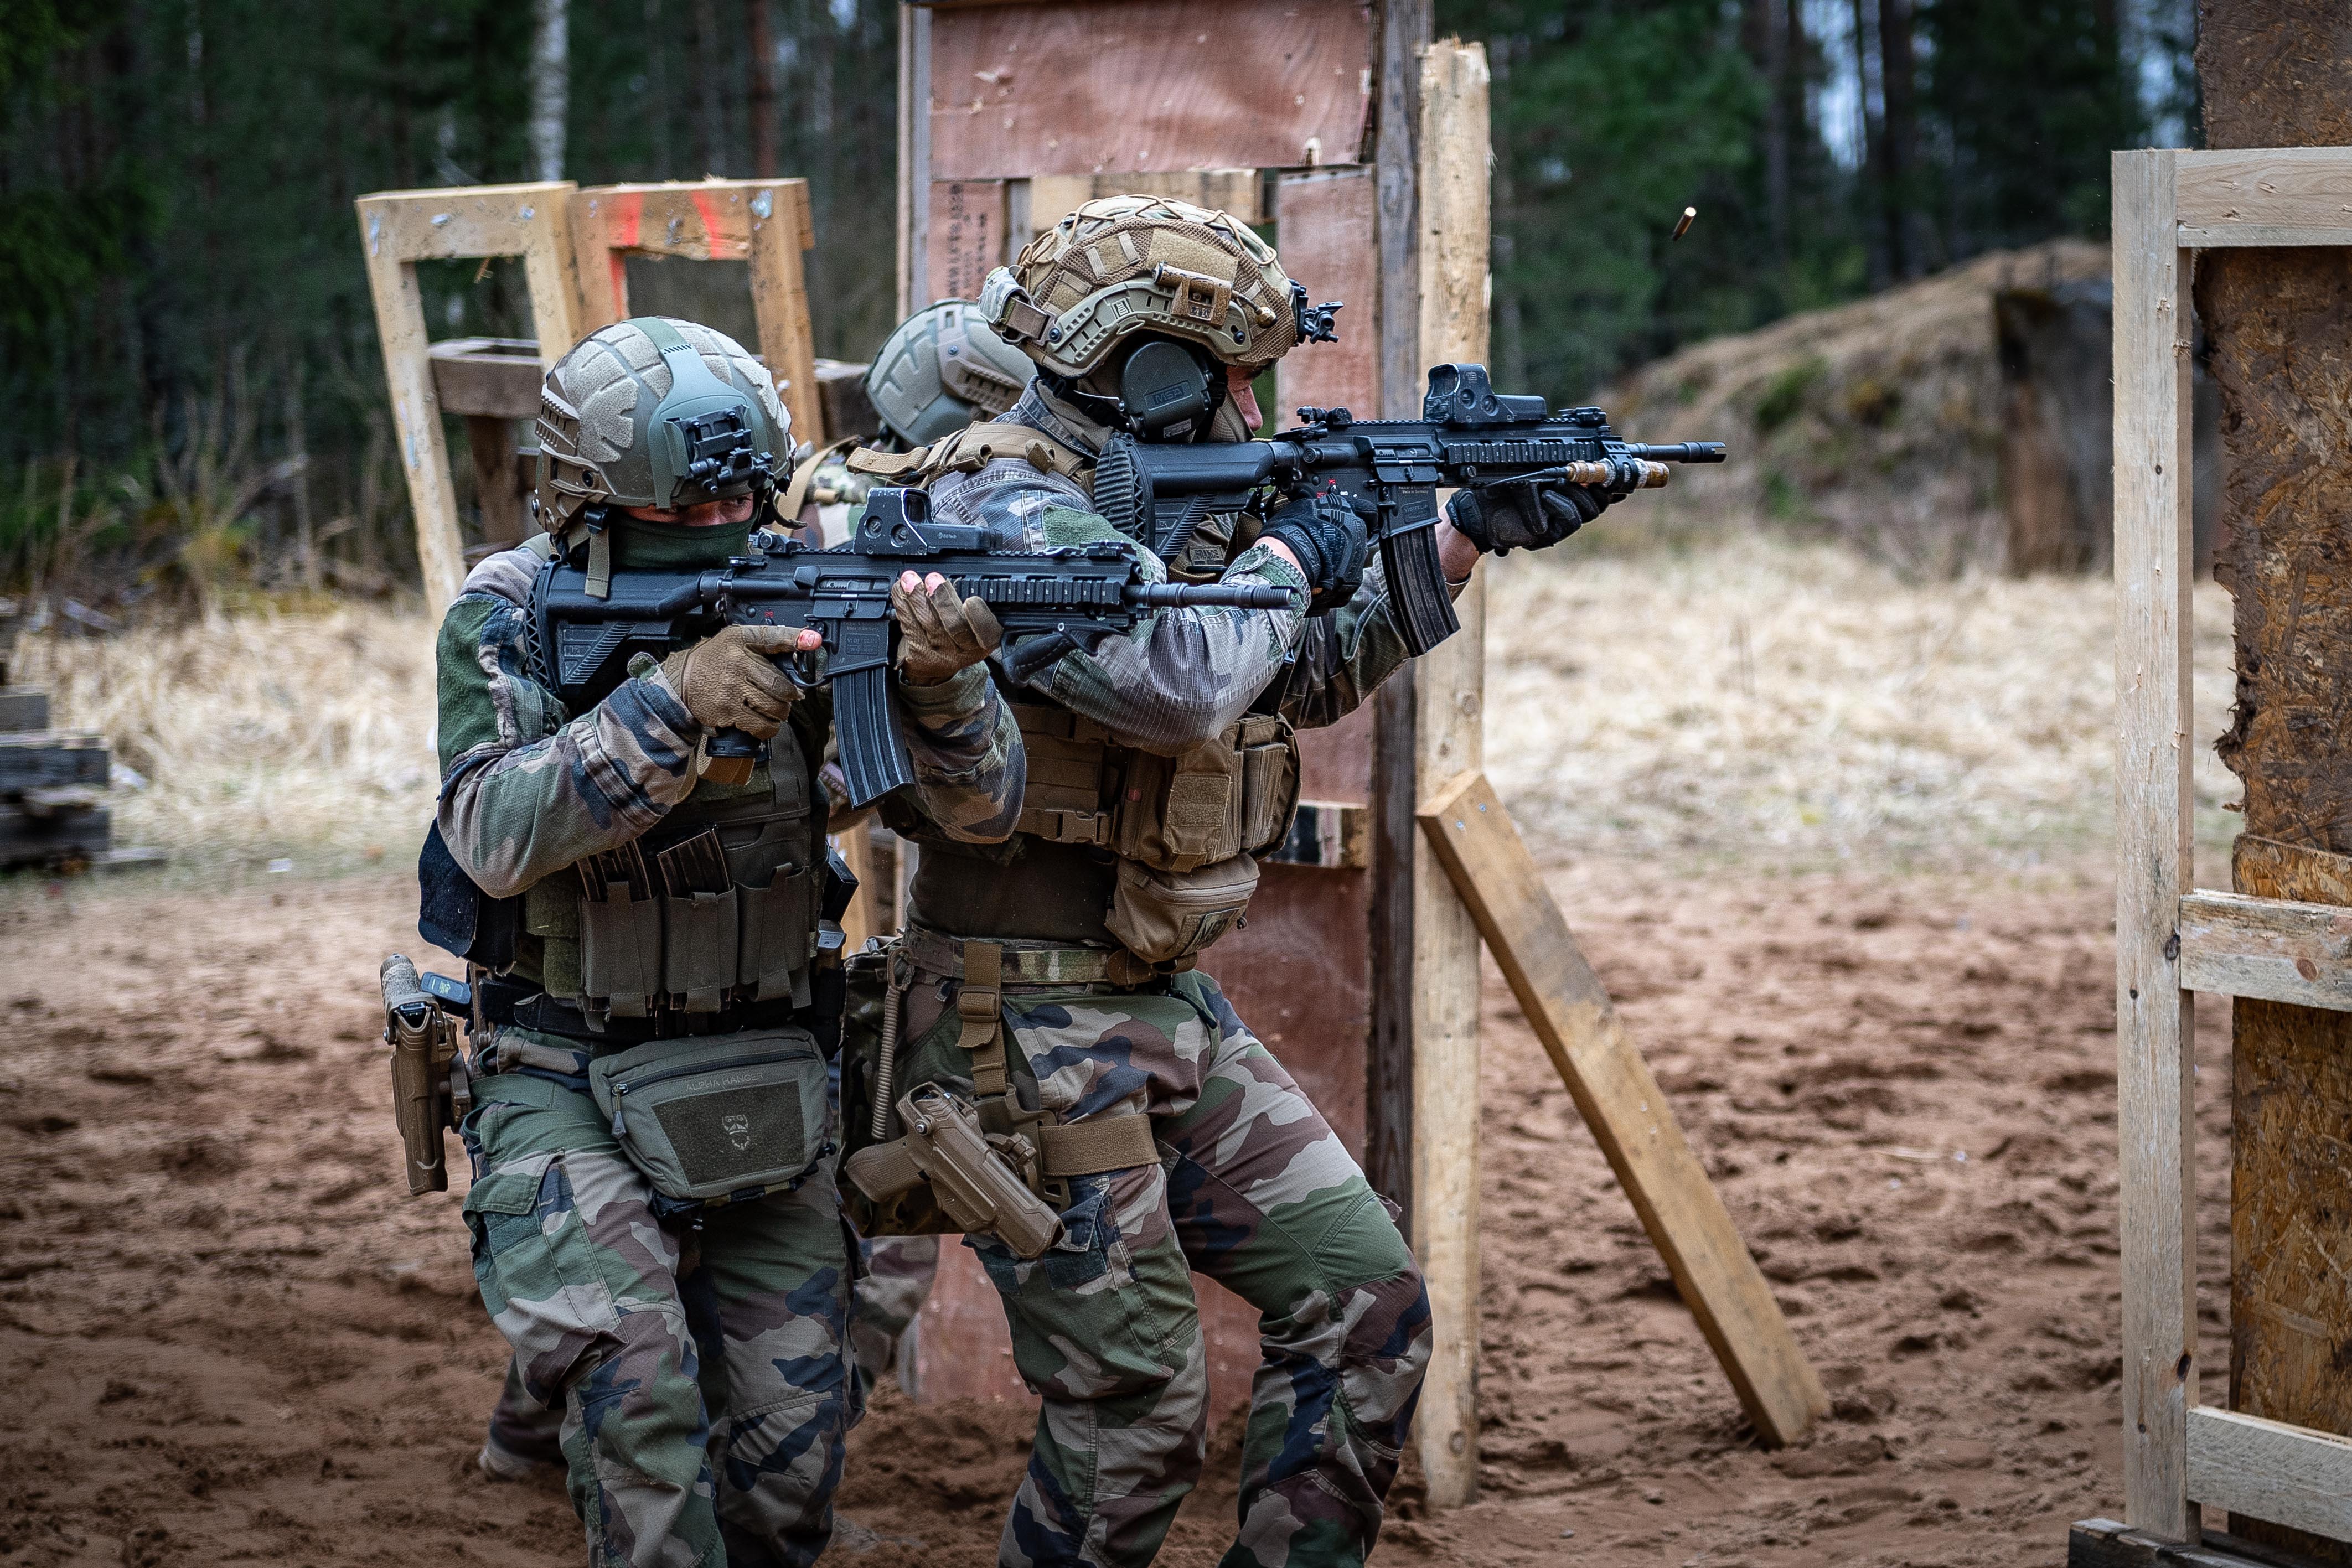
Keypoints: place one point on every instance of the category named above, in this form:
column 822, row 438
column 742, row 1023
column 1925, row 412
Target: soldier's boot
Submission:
column 1107, row 1333
column 898, row 1274
column 1268, row 1201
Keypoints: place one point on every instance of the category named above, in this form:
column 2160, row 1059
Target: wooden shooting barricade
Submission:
column 2173, row 939
column 1364, row 145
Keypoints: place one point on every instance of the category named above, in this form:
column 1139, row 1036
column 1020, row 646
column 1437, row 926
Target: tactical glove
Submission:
column 730, row 680
column 1325, row 532
column 940, row 631
column 1529, row 514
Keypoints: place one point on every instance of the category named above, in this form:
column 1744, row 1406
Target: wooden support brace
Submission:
column 766, row 222
column 397, row 230
column 2271, row 1470
column 2267, row 948
column 1620, row 1101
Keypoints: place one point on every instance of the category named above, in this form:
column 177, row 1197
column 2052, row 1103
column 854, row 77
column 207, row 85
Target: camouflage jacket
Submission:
column 528, row 789
column 1183, row 675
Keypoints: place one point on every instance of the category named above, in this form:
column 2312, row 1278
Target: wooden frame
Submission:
column 2170, row 939
column 766, row 222
column 397, row 230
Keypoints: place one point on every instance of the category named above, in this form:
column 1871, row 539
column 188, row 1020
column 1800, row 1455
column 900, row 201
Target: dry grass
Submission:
column 261, row 736
column 1753, row 701
column 1782, row 702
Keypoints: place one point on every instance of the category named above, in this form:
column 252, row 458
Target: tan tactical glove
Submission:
column 939, row 632
column 731, row 680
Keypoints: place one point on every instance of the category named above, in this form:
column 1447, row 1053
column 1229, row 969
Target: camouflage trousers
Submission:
column 1252, row 1190
column 699, row 1364
column 891, row 1290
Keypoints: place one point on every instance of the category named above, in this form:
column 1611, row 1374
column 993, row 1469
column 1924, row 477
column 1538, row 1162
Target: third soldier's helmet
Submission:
column 942, row 369
column 1124, row 265
column 653, row 412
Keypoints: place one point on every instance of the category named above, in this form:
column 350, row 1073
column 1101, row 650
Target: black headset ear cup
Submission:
column 1165, row 390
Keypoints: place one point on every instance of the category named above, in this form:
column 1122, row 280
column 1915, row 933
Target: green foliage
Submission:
column 1783, row 398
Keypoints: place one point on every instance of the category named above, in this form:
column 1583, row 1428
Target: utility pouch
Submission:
column 1162, row 917
column 621, row 952
column 1269, row 781
column 717, row 1120
column 699, row 959
column 773, row 952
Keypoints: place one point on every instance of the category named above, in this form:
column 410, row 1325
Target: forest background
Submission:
column 188, row 356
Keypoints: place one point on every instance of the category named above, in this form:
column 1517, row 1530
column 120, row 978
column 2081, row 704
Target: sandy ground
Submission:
column 231, row 1336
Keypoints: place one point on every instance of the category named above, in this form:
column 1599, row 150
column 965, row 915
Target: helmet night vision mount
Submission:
column 708, row 441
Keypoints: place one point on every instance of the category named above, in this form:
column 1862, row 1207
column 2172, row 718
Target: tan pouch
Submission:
column 1269, row 781
column 1183, row 812
column 1164, row 915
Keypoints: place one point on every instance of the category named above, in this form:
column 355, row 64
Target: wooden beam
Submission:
column 2269, row 948
column 2111, row 1543
column 2270, row 1471
column 2155, row 1029
column 1448, row 740
column 2294, row 189
column 397, row 230
column 914, row 158
column 1572, row 1016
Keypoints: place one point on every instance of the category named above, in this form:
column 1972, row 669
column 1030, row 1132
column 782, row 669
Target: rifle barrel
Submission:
column 1680, row 452
column 1239, row 596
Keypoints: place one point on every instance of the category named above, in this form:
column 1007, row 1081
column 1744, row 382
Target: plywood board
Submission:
column 1620, row 1101
column 1149, row 86
column 1328, row 230
column 965, row 236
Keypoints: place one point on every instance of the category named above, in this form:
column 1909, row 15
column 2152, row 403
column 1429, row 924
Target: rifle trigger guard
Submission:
column 801, row 670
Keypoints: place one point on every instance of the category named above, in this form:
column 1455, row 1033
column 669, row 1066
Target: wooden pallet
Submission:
column 47, row 758
column 24, row 707
column 28, row 840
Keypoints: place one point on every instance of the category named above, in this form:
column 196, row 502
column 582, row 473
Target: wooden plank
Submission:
column 1620, row 1101
column 914, row 157
column 2288, row 188
column 2251, row 235
column 2110, row 1543
column 2155, row 1028
column 780, row 302
column 965, row 236
column 1150, row 85
column 462, row 222
column 1455, row 152
column 417, row 425
column 23, row 709
column 2271, row 948
column 2271, row 1470
column 1052, row 197
column 1329, row 234
column 495, row 378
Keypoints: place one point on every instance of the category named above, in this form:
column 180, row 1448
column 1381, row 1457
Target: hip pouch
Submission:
column 717, row 1120
column 1163, row 916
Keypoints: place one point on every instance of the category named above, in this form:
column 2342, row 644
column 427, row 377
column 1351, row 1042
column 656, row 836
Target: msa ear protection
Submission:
column 1167, row 392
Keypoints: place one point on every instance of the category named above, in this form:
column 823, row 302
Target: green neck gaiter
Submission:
column 640, row 545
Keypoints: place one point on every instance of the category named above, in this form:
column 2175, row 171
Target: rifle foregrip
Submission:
column 1422, row 608
column 874, row 758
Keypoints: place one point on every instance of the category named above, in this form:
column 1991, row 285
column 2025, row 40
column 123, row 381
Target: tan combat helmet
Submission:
column 943, row 368
column 653, row 412
column 1121, row 265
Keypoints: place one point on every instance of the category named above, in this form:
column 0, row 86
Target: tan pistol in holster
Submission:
column 972, row 1175
column 430, row 1088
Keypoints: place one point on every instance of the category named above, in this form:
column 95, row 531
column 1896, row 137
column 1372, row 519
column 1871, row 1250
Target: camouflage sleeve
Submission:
column 970, row 768
column 1344, row 656
column 1180, row 676
column 525, row 793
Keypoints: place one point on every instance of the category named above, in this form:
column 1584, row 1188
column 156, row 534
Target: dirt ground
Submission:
column 233, row 1337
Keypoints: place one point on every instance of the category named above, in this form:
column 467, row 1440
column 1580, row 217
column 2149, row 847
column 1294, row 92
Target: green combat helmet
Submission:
column 941, row 370
column 1121, row 265
column 653, row 412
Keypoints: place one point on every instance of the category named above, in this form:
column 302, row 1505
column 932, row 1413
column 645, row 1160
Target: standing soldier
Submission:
column 654, row 1224
column 1051, row 982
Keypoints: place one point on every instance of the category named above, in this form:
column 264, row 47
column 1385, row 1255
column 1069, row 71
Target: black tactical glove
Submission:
column 1528, row 514
column 1325, row 532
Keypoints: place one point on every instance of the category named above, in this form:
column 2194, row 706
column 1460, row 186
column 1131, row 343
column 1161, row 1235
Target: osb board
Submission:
column 1326, row 230
column 966, row 236
column 1147, row 86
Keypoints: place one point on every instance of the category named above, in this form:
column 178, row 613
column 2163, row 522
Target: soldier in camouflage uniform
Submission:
column 695, row 1343
column 939, row 370
column 1054, row 978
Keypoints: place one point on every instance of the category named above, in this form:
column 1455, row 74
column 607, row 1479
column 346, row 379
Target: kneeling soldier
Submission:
column 654, row 1222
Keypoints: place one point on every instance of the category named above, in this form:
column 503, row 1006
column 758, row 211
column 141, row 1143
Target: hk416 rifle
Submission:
column 845, row 593
column 1392, row 468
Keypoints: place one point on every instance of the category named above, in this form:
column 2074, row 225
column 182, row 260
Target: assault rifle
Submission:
column 845, row 593
column 1392, row 468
